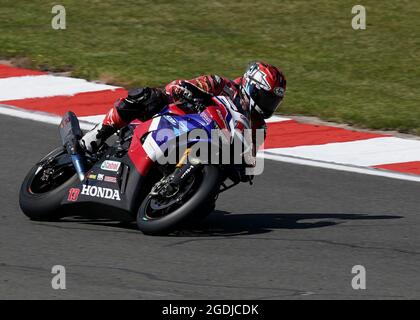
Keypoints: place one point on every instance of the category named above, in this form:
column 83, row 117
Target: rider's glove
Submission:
column 180, row 92
column 190, row 93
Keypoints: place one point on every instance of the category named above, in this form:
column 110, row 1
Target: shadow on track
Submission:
column 222, row 223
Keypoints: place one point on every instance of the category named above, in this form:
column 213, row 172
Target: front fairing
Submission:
column 153, row 138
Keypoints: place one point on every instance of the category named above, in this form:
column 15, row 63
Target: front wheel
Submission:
column 46, row 185
column 161, row 216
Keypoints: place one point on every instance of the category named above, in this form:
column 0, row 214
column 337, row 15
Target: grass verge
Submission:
column 366, row 78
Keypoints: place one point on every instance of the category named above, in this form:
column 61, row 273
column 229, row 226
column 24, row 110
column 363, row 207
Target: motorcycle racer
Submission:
column 256, row 94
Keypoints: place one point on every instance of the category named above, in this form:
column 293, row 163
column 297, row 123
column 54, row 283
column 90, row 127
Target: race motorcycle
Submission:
column 126, row 181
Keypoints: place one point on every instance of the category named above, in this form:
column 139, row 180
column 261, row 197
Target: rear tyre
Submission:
column 39, row 201
column 200, row 203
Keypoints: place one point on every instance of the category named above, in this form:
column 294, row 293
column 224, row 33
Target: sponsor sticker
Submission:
column 64, row 122
column 92, row 176
column 100, row 177
column 206, row 118
column 100, row 192
column 110, row 179
column 109, row 165
column 278, row 91
column 171, row 120
column 73, row 194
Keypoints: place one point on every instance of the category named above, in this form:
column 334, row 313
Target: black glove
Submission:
column 198, row 98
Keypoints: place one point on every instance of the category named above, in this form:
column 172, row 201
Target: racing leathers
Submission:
column 144, row 103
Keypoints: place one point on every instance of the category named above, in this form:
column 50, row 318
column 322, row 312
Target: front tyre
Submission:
column 200, row 196
column 45, row 186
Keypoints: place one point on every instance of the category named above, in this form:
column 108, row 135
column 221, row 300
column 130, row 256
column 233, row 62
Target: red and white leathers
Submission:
column 219, row 86
column 128, row 109
column 211, row 84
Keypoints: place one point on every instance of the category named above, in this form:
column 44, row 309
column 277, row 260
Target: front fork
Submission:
column 187, row 166
column 184, row 170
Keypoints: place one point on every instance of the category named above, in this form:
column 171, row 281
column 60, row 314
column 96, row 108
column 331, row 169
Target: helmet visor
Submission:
column 267, row 102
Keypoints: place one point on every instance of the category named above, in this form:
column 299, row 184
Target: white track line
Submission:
column 87, row 123
column 277, row 119
column 341, row 167
column 361, row 153
column 93, row 119
column 17, row 88
column 39, row 116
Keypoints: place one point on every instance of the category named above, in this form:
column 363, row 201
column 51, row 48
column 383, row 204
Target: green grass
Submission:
column 366, row 78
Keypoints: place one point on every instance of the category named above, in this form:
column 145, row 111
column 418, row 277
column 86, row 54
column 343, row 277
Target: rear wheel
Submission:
column 195, row 198
column 45, row 186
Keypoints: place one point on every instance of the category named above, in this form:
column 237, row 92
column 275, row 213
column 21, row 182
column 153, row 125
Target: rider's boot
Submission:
column 94, row 139
column 140, row 103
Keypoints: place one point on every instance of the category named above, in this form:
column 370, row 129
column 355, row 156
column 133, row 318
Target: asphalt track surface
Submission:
column 296, row 234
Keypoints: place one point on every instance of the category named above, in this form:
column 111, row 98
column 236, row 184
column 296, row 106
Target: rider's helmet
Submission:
column 264, row 86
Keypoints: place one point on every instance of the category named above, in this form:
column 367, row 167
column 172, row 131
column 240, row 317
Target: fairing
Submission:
column 125, row 175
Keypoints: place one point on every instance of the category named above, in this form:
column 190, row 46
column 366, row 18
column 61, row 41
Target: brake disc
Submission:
column 160, row 202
